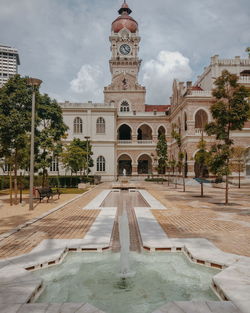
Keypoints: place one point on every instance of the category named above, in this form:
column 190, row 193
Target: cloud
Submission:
column 159, row 73
column 55, row 38
column 88, row 82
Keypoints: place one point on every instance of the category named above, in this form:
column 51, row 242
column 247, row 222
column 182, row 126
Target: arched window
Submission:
column 124, row 106
column 77, row 125
column 54, row 165
column 161, row 131
column 185, row 121
column 100, row 125
column 100, row 164
column 179, row 125
column 201, row 119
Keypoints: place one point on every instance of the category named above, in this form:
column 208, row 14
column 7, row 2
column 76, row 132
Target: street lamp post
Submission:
column 87, row 138
column 34, row 82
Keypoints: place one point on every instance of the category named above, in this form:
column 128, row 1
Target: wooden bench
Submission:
column 47, row 192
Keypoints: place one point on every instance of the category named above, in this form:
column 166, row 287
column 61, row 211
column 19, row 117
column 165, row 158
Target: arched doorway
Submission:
column 124, row 162
column 185, row 121
column 144, row 132
column 144, row 164
column 124, row 132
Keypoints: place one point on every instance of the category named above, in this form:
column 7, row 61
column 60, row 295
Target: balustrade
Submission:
column 144, row 142
column 124, row 141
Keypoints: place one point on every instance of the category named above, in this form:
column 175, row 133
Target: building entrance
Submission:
column 124, row 162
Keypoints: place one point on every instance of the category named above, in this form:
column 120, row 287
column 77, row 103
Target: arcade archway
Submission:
column 124, row 132
column 144, row 164
column 144, row 132
column 124, row 163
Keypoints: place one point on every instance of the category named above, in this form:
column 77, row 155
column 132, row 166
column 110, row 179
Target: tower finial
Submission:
column 125, row 8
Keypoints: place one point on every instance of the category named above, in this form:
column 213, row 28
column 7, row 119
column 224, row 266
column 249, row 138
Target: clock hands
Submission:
column 125, row 49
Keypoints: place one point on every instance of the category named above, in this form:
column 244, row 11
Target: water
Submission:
column 124, row 242
column 160, row 277
column 132, row 199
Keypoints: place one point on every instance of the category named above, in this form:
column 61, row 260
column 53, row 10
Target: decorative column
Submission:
column 191, row 172
column 134, row 169
column 134, row 139
column 190, row 127
column 154, row 167
column 155, row 139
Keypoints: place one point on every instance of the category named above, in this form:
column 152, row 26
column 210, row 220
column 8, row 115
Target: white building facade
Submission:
column 124, row 131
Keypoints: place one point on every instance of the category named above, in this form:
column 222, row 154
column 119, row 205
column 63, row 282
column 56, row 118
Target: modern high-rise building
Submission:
column 9, row 61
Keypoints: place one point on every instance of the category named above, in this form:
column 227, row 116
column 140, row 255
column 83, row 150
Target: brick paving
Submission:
column 69, row 222
column 190, row 216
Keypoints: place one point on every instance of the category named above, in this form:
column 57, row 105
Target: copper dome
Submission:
column 124, row 20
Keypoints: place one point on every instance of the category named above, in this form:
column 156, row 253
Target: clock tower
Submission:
column 125, row 64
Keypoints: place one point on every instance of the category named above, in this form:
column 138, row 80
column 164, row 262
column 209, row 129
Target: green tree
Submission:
column 172, row 166
column 75, row 156
column 162, row 153
column 201, row 159
column 49, row 133
column 176, row 134
column 86, row 146
column 230, row 112
column 15, row 126
column 237, row 162
column 248, row 51
column 15, row 122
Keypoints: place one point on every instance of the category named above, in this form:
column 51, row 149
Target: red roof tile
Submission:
column 196, row 88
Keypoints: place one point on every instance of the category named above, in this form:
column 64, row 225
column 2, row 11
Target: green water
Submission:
column 160, row 277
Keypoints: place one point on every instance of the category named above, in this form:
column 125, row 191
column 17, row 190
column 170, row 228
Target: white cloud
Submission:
column 159, row 73
column 88, row 82
column 59, row 36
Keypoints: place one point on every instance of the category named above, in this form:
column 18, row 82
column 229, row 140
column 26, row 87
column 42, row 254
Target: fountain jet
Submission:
column 124, row 242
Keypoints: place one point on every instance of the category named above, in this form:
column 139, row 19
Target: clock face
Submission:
column 125, row 49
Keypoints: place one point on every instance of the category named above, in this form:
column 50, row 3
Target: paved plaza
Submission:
column 189, row 216
column 160, row 217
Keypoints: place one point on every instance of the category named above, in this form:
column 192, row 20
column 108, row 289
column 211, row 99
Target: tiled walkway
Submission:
column 70, row 222
column 187, row 216
column 190, row 216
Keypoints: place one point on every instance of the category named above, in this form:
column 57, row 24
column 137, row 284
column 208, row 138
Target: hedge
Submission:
column 52, row 181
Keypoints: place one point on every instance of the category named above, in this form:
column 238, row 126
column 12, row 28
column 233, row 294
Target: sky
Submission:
column 66, row 42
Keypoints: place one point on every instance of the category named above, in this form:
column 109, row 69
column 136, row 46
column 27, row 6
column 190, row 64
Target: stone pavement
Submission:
column 190, row 216
column 18, row 286
column 69, row 222
column 12, row 216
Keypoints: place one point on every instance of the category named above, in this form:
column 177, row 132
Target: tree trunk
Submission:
column 58, row 173
column 201, row 189
column 11, row 201
column 183, row 178
column 168, row 177
column 15, row 179
column 226, row 192
column 43, row 178
column 239, row 175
